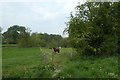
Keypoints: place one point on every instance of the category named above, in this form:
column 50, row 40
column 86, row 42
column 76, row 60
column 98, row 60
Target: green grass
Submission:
column 98, row 68
column 9, row 45
column 28, row 62
column 18, row 59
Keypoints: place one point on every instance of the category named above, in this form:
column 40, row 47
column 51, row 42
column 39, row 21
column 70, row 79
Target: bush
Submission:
column 93, row 29
column 25, row 40
column 109, row 46
column 40, row 71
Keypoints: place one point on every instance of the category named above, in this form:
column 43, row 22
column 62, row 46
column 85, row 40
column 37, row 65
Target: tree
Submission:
column 25, row 39
column 115, row 12
column 11, row 36
column 92, row 29
column 46, row 40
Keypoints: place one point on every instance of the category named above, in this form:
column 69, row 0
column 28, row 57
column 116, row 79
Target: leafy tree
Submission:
column 13, row 33
column 93, row 29
column 25, row 40
column 35, row 39
column 115, row 13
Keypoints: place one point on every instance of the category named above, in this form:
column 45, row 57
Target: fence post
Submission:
column 71, row 55
column 52, row 56
column 44, row 58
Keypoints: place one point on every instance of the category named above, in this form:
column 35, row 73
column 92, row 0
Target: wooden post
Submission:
column 52, row 56
column 44, row 58
column 71, row 55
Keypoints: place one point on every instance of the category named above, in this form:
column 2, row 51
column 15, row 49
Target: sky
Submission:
column 42, row 16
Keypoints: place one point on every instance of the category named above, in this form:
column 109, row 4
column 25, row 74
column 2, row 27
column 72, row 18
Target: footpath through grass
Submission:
column 28, row 62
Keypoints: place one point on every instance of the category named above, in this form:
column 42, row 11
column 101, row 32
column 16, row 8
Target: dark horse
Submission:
column 56, row 50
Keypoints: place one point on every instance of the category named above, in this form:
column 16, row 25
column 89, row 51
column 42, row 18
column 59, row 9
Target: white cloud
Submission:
column 43, row 16
column 0, row 14
column 41, row 1
column 44, row 12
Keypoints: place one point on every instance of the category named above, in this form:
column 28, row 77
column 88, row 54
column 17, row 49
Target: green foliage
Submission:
column 41, row 71
column 38, row 40
column 12, row 34
column 93, row 29
column 110, row 45
column 46, row 40
column 25, row 40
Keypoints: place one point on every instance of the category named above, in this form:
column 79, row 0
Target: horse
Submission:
column 56, row 50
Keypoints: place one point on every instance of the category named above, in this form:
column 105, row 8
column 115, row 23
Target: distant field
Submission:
column 17, row 60
column 9, row 45
column 28, row 62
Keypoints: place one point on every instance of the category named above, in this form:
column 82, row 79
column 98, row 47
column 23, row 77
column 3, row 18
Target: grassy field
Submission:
column 29, row 63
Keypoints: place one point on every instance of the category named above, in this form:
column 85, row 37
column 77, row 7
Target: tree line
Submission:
column 94, row 29
column 22, row 37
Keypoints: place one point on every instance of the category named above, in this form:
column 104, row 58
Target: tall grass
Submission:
column 17, row 60
column 28, row 63
column 92, row 68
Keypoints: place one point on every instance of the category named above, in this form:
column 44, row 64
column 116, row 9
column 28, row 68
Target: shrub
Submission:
column 40, row 71
column 109, row 46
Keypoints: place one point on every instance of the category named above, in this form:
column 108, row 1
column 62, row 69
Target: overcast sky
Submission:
column 45, row 16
